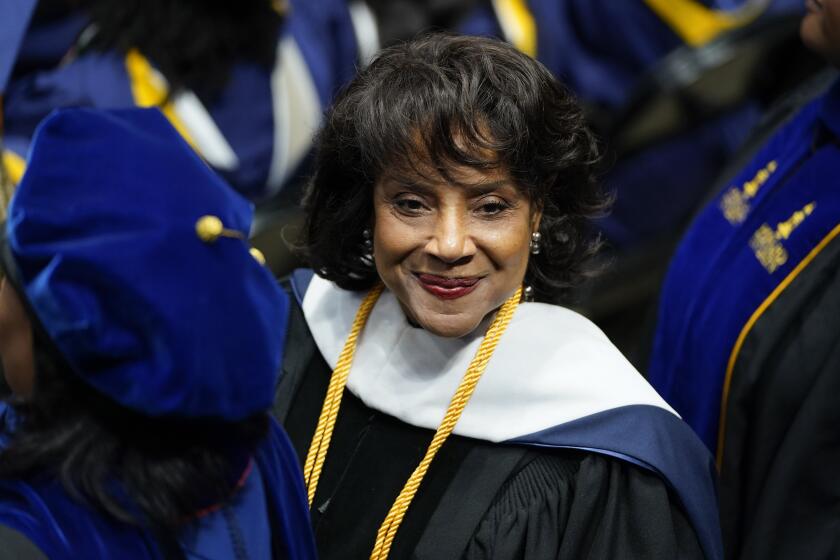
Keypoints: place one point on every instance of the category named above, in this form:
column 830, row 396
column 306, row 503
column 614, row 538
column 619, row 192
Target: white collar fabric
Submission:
column 552, row 366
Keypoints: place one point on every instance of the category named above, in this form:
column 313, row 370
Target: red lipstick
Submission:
column 447, row 288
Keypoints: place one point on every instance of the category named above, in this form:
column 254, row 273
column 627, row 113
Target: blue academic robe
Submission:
column 63, row 528
column 746, row 248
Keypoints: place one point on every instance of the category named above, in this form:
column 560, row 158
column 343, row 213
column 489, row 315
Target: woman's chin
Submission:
column 449, row 326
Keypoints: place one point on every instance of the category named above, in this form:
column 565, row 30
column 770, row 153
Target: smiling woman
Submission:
column 452, row 255
column 454, row 179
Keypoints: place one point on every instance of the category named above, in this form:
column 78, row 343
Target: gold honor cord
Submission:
column 329, row 413
column 389, row 527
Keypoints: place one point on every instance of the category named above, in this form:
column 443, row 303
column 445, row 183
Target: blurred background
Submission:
column 680, row 92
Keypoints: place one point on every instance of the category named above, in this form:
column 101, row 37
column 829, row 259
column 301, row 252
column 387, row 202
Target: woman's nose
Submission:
column 451, row 240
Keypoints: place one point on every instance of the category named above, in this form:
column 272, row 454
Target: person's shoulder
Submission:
column 28, row 520
column 550, row 324
column 554, row 329
column 564, row 351
column 547, row 472
column 296, row 283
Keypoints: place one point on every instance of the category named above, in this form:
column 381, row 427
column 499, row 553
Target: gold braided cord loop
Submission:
column 329, row 412
column 388, row 530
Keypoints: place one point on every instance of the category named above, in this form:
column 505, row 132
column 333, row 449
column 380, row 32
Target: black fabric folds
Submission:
column 537, row 504
column 780, row 493
column 583, row 506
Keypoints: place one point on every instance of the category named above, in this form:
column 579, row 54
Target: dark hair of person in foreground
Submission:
column 444, row 101
column 167, row 469
column 194, row 43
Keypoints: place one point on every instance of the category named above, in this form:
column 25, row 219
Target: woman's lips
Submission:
column 448, row 288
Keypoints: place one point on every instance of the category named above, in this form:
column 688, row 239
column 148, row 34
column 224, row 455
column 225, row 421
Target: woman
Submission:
column 454, row 179
column 746, row 346
column 139, row 336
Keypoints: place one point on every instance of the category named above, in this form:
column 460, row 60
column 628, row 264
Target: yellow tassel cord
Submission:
column 13, row 166
column 329, row 413
column 518, row 24
column 149, row 89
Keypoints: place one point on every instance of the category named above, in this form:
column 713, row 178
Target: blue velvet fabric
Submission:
column 717, row 281
column 64, row 528
column 243, row 111
column 103, row 239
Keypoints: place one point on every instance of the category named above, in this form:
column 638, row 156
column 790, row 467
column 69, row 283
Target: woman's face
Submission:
column 451, row 253
column 15, row 342
column 820, row 29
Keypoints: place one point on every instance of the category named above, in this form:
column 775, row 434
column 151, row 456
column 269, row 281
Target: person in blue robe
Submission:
column 141, row 337
column 245, row 84
column 603, row 50
column 747, row 336
column 440, row 407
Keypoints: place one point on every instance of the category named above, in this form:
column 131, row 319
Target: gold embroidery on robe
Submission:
column 735, row 202
column 766, row 242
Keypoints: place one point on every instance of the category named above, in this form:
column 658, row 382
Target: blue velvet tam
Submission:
column 133, row 257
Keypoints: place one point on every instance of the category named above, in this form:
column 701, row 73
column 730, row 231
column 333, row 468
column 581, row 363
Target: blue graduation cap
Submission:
column 14, row 20
column 132, row 254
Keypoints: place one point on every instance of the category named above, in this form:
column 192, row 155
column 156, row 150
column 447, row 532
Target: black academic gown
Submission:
column 479, row 499
column 779, row 484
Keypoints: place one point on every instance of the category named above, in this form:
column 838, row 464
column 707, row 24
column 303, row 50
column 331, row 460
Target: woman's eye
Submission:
column 493, row 208
column 409, row 205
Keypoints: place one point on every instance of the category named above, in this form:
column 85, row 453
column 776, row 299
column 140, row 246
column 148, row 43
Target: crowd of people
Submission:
column 406, row 368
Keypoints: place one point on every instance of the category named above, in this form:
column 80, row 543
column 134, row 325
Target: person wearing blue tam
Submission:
column 141, row 338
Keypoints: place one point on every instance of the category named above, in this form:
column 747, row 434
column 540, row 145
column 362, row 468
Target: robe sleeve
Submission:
column 588, row 506
column 781, row 446
column 18, row 546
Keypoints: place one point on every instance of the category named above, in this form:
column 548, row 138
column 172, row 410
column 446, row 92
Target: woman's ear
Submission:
column 536, row 218
column 16, row 351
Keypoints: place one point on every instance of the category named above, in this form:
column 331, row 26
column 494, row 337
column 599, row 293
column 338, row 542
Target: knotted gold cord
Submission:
column 329, row 413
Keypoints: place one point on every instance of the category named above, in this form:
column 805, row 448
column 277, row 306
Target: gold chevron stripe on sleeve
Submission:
column 696, row 24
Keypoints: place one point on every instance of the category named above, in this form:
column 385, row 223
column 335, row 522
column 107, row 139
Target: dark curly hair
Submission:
column 194, row 43
column 458, row 101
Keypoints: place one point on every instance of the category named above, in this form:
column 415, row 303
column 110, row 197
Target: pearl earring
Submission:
column 536, row 242
column 367, row 244
column 528, row 293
